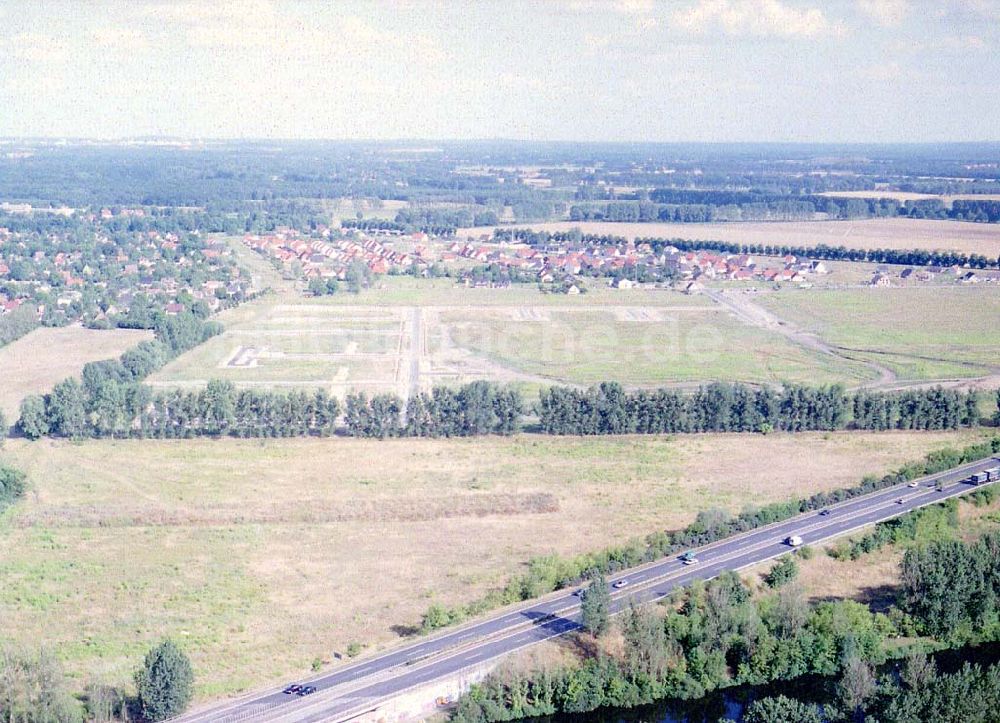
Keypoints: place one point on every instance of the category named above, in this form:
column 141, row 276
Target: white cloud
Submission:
column 623, row 7
column 754, row 17
column 120, row 38
column 38, row 48
column 884, row 12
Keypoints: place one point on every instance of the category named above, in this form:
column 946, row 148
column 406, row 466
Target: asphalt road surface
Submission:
column 358, row 687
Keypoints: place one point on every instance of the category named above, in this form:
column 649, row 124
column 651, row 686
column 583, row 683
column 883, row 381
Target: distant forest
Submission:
column 520, row 181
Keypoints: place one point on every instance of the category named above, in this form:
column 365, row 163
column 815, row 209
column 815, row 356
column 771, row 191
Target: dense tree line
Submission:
column 17, row 323
column 952, row 588
column 702, row 206
column 934, row 408
column 108, row 407
column 907, row 257
column 715, row 635
column 476, row 408
column 111, row 393
column 552, row 572
column 720, row 407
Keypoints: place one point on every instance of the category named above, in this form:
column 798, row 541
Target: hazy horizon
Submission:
column 626, row 71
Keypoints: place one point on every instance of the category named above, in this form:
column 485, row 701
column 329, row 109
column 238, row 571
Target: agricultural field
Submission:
column 893, row 233
column 413, row 334
column 918, row 333
column 36, row 362
column 308, row 545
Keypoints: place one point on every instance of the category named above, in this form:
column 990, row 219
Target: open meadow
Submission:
column 412, row 334
column 263, row 556
column 36, row 362
column 918, row 333
column 886, row 233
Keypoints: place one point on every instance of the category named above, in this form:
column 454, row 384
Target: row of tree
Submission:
column 934, row 408
column 116, row 409
column 112, row 402
column 474, row 409
column 905, row 257
column 720, row 407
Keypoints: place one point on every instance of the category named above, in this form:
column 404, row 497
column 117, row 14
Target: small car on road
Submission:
column 899, row 501
column 619, row 584
column 306, row 690
column 824, row 513
column 688, row 558
column 913, row 484
column 293, row 688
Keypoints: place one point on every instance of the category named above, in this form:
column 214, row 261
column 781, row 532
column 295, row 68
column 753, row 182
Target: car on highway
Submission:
column 900, row 501
column 824, row 513
column 793, row 541
column 306, row 690
column 619, row 584
column 688, row 558
column 913, row 484
column 293, row 688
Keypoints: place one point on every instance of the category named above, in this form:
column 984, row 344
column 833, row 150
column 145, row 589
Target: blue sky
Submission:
column 589, row 70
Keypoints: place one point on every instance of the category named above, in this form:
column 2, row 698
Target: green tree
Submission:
column 164, row 682
column 33, row 422
column 66, row 410
column 33, row 690
column 595, row 606
column 857, row 684
column 780, row 708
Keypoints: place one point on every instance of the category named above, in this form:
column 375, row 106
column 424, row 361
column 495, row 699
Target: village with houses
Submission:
column 564, row 265
column 85, row 273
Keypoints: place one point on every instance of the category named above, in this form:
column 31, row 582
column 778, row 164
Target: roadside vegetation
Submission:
column 720, row 634
column 553, row 573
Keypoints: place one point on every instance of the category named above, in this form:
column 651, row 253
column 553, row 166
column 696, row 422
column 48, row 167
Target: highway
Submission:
column 357, row 688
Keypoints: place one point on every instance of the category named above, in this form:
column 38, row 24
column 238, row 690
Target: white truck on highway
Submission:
column 793, row 541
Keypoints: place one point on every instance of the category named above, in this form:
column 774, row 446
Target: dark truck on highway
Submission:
column 987, row 475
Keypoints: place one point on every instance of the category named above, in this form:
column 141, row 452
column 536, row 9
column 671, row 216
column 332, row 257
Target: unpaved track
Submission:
column 760, row 317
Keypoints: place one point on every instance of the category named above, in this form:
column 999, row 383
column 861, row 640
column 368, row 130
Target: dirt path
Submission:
column 760, row 317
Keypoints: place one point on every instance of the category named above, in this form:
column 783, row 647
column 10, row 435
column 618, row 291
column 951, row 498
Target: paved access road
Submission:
column 358, row 687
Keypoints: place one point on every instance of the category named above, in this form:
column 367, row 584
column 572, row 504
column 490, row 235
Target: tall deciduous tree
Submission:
column 595, row 606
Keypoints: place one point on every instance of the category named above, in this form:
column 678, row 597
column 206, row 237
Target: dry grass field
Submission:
column 918, row 332
column 262, row 556
column 896, row 233
column 36, row 362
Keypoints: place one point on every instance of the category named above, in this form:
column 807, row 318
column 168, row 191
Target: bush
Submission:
column 11, row 485
column 783, row 573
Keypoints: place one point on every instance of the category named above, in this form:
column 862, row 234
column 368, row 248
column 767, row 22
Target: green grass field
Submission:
column 593, row 346
column 259, row 557
column 919, row 333
column 517, row 335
